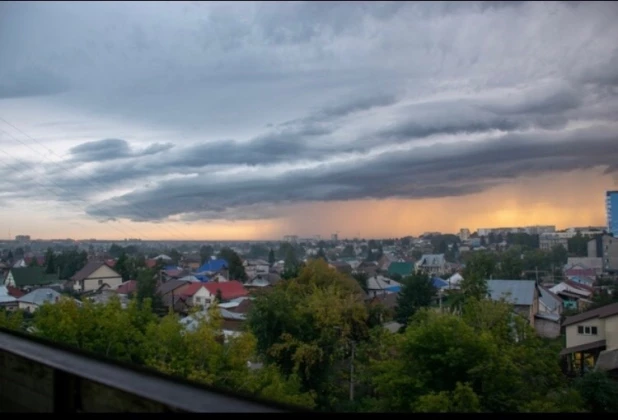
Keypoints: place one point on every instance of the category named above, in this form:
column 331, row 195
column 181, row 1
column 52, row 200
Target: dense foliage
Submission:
column 320, row 346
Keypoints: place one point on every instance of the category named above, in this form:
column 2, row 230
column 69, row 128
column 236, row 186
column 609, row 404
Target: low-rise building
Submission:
column 592, row 340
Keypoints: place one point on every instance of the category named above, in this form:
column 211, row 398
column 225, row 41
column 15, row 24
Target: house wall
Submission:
column 573, row 338
column 611, row 332
column 201, row 297
column 546, row 328
column 232, row 324
column 105, row 275
column 9, row 281
column 28, row 307
column 10, row 306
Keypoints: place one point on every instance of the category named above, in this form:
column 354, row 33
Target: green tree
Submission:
column 511, row 265
column 599, row 392
column 206, row 251
column 236, row 268
column 50, row 262
column 321, row 254
column 558, row 256
column 362, row 279
column 417, row 292
column 486, row 360
column 304, row 326
column 123, row 267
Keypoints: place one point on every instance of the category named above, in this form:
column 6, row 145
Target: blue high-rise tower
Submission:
column 611, row 200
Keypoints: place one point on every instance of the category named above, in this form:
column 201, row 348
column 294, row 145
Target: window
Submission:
column 100, row 282
column 587, row 330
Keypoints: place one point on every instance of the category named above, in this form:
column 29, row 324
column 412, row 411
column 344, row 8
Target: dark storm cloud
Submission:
column 362, row 99
column 429, row 172
column 112, row 149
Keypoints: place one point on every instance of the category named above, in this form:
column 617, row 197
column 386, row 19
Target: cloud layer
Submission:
column 265, row 106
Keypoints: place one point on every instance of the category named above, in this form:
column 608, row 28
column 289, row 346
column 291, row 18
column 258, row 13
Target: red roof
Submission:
column 229, row 289
column 111, row 263
column 580, row 272
column 16, row 293
column 151, row 263
column 192, row 289
column 127, row 287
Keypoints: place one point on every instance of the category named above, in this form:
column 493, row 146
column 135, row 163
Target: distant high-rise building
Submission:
column 334, row 237
column 22, row 238
column 611, row 200
column 464, row 234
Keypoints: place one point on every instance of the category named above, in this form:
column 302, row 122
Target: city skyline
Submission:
column 191, row 121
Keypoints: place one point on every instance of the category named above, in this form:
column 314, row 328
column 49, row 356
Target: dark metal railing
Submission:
column 56, row 378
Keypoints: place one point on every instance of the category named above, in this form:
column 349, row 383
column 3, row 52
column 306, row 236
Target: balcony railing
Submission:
column 39, row 376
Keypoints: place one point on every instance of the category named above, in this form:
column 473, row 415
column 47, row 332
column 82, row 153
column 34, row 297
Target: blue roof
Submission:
column 202, row 278
column 213, row 265
column 439, row 283
column 170, row 267
column 393, row 289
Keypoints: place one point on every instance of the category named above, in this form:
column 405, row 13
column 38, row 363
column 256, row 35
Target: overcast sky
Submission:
column 201, row 120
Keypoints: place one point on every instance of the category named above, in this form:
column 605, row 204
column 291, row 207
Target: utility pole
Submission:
column 352, row 371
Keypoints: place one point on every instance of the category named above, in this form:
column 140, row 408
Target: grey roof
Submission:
column 549, row 317
column 518, row 292
column 232, row 315
column 550, row 300
column 378, row 282
column 40, row 296
column 431, row 260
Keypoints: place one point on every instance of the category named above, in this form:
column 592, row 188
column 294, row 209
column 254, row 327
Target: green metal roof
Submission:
column 32, row 276
column 401, row 268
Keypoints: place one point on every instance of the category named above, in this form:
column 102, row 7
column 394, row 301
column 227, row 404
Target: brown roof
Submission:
column 583, row 347
column 602, row 312
column 88, row 269
column 243, row 307
column 168, row 286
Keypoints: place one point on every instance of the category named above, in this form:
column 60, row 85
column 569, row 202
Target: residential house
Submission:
column 454, row 281
column 33, row 300
column 263, row 280
column 594, row 263
column 191, row 262
column 580, row 274
column 212, row 267
column 103, row 296
column 574, row 295
column 254, row 268
column 28, row 278
column 402, row 269
column 522, row 294
column 385, row 261
column 27, row 261
column 368, row 267
column 127, row 288
column 232, row 322
column 341, row 266
column 592, row 340
column 204, row 293
column 173, row 294
column 96, row 275
column 7, row 302
column 433, row 264
column 547, row 320
column 378, row 285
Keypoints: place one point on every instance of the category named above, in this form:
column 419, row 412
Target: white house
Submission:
column 95, row 276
